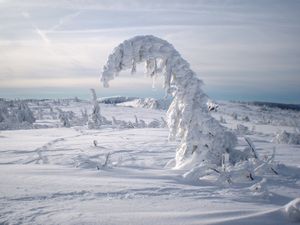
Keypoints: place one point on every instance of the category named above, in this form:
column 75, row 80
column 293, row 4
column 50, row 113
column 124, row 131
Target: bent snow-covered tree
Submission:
column 203, row 139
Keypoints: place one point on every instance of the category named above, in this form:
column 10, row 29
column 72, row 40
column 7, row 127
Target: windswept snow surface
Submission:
column 76, row 175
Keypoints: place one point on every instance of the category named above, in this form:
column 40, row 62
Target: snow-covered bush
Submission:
column 65, row 117
column 138, row 123
column 3, row 113
column 212, row 106
column 222, row 120
column 234, row 116
column 251, row 171
column 23, row 113
column 15, row 115
column 52, row 113
column 241, row 129
column 245, row 118
column 285, row 137
column 203, row 139
column 154, row 124
column 84, row 116
column 40, row 114
column 96, row 119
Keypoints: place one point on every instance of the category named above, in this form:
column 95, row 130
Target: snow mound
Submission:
column 292, row 210
column 288, row 138
column 148, row 103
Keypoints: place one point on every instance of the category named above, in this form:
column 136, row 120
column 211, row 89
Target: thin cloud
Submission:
column 72, row 39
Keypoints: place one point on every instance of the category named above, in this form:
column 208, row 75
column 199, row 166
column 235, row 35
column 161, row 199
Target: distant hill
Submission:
column 278, row 105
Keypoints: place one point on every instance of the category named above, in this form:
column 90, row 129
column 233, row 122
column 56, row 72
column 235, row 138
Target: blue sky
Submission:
column 242, row 50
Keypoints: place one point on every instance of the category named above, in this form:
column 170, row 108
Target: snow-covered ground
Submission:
column 113, row 175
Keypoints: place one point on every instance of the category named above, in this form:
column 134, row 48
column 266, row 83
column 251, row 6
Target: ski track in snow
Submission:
column 50, row 176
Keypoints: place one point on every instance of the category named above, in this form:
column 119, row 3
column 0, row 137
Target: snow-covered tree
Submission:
column 96, row 119
column 65, row 117
column 3, row 112
column 203, row 139
column 23, row 113
column 84, row 116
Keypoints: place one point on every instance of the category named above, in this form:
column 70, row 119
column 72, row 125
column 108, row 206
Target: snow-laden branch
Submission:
column 203, row 139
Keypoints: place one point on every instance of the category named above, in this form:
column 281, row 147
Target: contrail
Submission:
column 41, row 33
column 65, row 20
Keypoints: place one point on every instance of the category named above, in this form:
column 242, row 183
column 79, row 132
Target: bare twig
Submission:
column 251, row 146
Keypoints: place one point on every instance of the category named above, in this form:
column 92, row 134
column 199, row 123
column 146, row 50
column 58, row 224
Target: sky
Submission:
column 242, row 50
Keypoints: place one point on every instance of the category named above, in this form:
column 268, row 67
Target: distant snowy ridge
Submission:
column 274, row 105
column 115, row 99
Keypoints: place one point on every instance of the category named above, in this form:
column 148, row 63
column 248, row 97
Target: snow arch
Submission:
column 203, row 139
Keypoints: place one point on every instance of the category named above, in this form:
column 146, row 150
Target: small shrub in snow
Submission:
column 52, row 113
column 139, row 123
column 234, row 116
column 76, row 99
column 245, row 118
column 3, row 113
column 65, row 117
column 142, row 123
column 23, row 113
column 96, row 119
column 212, row 106
column 222, row 120
column 15, row 115
column 40, row 114
column 260, row 188
column 287, row 138
column 106, row 164
column 241, row 129
column 251, row 169
column 154, row 124
column 84, row 116
column 95, row 143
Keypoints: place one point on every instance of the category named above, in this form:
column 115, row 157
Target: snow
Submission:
column 111, row 175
